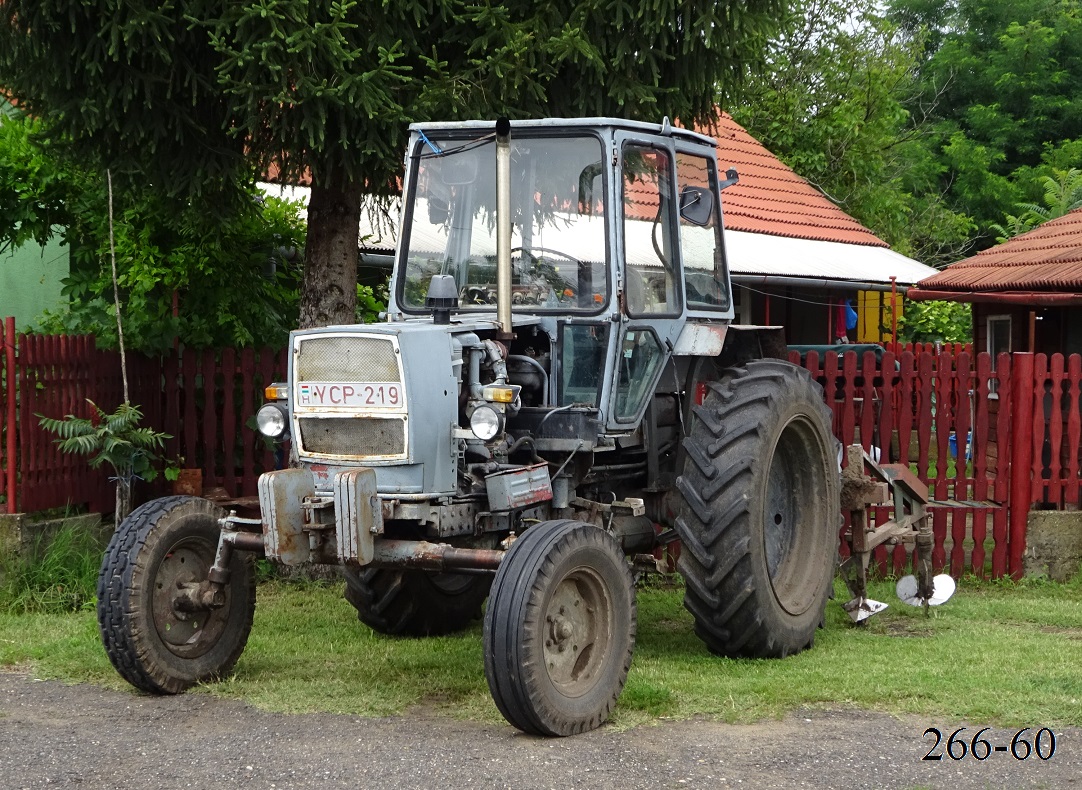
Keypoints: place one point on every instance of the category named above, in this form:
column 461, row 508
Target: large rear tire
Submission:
column 415, row 603
column 153, row 644
column 759, row 511
column 560, row 629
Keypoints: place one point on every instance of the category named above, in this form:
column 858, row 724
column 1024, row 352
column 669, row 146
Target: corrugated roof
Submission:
column 770, row 198
column 1047, row 258
column 761, row 254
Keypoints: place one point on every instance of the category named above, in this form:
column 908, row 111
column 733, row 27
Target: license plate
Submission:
column 358, row 395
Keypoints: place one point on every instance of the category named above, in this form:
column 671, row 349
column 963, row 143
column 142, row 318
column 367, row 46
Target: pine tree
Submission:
column 190, row 94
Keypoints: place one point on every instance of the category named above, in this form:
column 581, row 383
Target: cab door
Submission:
column 651, row 308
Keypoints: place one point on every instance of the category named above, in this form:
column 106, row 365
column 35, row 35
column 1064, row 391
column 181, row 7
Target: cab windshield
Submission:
column 558, row 240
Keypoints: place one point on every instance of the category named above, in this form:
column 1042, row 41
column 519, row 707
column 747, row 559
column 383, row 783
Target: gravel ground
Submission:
column 53, row 735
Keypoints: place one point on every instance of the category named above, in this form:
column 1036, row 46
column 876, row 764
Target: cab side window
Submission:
column 648, row 207
column 705, row 276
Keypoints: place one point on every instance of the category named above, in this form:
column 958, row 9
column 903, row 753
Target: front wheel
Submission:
column 154, row 641
column 560, row 629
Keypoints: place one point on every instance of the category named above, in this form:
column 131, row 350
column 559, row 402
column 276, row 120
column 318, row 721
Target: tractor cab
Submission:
column 616, row 250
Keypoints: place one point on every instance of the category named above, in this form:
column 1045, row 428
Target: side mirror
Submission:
column 438, row 210
column 696, row 205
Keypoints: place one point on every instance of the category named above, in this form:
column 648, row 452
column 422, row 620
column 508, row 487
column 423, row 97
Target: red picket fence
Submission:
column 990, row 439
column 207, row 399
column 931, row 348
column 983, row 436
column 201, row 398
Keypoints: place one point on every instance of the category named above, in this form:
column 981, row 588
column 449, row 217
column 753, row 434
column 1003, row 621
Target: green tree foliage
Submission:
column 188, row 94
column 929, row 322
column 1062, row 195
column 226, row 268
column 832, row 104
column 1000, row 80
column 34, row 186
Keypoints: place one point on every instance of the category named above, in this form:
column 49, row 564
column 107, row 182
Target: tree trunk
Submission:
column 123, row 499
column 329, row 289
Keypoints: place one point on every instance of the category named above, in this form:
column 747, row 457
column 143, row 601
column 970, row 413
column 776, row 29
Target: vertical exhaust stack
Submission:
column 503, row 226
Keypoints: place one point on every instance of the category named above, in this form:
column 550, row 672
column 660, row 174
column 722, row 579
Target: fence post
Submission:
column 1021, row 458
column 9, row 417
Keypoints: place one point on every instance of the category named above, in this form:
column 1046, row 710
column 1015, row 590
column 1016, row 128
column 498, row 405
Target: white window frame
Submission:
column 993, row 385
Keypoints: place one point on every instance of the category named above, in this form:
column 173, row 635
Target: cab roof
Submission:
column 663, row 129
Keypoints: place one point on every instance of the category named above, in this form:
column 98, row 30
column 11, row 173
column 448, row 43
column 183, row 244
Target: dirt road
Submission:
column 52, row 735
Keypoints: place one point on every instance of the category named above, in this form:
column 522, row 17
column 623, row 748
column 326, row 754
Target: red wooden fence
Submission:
column 985, row 437
column 962, row 423
column 945, row 415
column 201, row 398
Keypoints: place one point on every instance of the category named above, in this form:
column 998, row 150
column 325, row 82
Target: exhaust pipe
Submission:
column 503, row 226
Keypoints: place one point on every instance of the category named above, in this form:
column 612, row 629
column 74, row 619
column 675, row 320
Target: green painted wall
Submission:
column 30, row 281
column 30, row 276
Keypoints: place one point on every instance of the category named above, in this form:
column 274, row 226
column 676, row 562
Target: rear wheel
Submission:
column 154, row 641
column 759, row 511
column 415, row 603
column 560, row 629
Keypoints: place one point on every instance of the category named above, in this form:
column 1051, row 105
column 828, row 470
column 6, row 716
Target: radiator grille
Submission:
column 347, row 359
column 353, row 436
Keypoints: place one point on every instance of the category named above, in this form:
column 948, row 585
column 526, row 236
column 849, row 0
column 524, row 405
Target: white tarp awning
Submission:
column 752, row 257
column 780, row 256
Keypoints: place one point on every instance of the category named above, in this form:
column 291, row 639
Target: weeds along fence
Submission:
column 991, row 437
column 202, row 399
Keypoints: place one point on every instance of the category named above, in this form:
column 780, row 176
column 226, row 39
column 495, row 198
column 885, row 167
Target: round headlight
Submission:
column 271, row 420
column 485, row 423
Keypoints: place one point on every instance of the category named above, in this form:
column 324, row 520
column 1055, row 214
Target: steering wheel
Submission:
column 531, row 252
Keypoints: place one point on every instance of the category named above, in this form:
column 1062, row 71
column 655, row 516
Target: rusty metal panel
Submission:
column 700, row 340
column 281, row 495
column 519, row 488
column 358, row 515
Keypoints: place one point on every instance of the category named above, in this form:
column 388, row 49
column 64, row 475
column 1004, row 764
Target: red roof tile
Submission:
column 770, row 198
column 1047, row 258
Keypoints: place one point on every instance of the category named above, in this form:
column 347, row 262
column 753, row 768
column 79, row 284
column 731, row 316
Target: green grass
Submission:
column 997, row 654
column 58, row 574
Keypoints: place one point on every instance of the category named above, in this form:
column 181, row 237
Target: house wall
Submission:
column 874, row 311
column 30, row 281
column 806, row 314
column 1056, row 329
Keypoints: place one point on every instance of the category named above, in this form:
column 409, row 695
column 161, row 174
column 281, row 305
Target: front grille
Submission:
column 356, row 436
column 353, row 358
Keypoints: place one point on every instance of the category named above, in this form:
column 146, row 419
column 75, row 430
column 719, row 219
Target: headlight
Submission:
column 272, row 421
column 486, row 423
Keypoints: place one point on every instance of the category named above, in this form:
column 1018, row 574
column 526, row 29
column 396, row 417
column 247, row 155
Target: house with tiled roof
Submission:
column 1025, row 292
column 795, row 258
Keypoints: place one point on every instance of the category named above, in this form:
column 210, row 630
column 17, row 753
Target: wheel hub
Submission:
column 577, row 632
column 185, row 629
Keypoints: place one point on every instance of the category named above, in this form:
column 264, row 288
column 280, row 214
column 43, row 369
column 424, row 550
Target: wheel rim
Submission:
column 578, row 631
column 791, row 509
column 186, row 634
